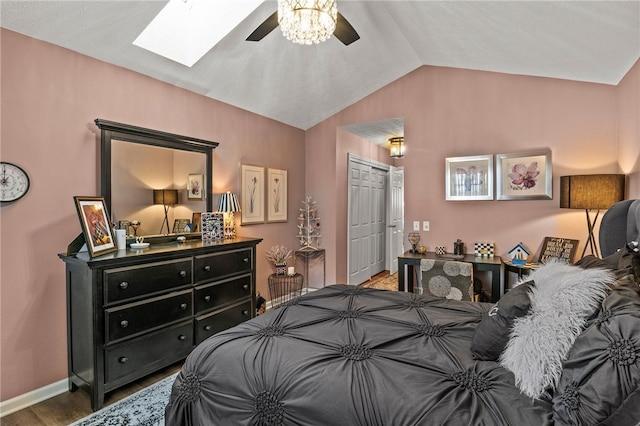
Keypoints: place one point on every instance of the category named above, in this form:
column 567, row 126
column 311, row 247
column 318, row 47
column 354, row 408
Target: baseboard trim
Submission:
column 38, row 395
column 49, row 391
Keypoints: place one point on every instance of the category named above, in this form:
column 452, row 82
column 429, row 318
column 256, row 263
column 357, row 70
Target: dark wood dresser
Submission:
column 130, row 313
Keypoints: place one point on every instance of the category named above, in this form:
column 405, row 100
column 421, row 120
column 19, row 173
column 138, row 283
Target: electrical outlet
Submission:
column 425, row 225
column 416, row 225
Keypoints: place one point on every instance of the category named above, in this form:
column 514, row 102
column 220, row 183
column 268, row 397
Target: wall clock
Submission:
column 14, row 182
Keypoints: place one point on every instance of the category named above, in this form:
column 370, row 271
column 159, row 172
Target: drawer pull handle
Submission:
column 245, row 312
column 246, row 286
column 124, row 285
column 123, row 360
column 207, row 268
column 207, row 327
column 183, row 274
column 124, row 323
column 245, row 260
column 182, row 337
column 183, row 306
column 207, row 298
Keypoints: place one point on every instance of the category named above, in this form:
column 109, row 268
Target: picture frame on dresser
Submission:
column 252, row 196
column 469, row 178
column 524, row 175
column 96, row 226
column 276, row 195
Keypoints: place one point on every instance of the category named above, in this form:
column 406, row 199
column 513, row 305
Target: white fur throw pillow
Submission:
column 563, row 297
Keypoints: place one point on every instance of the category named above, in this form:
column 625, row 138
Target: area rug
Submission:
column 145, row 407
column 390, row 282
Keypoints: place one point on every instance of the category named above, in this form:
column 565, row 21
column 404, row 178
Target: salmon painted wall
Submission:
column 629, row 129
column 50, row 97
column 452, row 112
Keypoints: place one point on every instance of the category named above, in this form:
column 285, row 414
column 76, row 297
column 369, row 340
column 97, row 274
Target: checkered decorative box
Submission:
column 440, row 250
column 212, row 225
column 483, row 249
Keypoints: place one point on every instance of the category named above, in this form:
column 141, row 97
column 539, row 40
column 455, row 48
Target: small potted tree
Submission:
column 279, row 255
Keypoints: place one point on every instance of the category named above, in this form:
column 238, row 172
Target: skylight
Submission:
column 185, row 30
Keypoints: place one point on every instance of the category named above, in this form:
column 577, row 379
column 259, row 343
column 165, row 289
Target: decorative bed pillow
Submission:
column 600, row 381
column 492, row 334
column 562, row 299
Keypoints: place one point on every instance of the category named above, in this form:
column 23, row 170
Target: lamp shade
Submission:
column 591, row 191
column 167, row 197
column 228, row 203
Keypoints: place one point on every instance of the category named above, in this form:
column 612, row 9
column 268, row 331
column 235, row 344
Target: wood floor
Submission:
column 71, row 406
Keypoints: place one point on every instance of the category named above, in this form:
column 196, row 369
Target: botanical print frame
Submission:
column 252, row 203
column 276, row 195
column 96, row 226
column 524, row 175
column 195, row 187
column 469, row 178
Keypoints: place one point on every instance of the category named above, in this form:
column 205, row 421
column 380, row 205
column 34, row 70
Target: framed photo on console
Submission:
column 524, row 175
column 94, row 218
column 469, row 178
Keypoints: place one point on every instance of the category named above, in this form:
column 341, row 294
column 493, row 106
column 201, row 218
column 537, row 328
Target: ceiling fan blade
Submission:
column 265, row 28
column 344, row 31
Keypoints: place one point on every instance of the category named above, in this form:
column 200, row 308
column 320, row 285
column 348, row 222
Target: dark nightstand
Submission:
column 521, row 270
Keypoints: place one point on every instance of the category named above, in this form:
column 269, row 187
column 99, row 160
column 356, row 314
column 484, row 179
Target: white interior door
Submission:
column 395, row 218
column 359, row 250
column 378, row 220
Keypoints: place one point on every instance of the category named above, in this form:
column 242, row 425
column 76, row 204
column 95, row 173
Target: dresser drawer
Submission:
column 208, row 325
column 220, row 265
column 221, row 293
column 135, row 281
column 152, row 350
column 128, row 320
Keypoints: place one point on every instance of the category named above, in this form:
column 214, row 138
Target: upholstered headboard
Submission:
column 620, row 225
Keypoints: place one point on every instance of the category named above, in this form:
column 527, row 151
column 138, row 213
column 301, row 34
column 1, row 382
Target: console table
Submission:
column 411, row 262
column 133, row 312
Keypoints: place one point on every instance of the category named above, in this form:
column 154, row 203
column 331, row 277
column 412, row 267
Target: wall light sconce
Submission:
column 228, row 204
column 396, row 146
column 165, row 197
column 591, row 192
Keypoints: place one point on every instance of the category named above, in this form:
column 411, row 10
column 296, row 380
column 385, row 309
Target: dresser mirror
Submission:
column 136, row 161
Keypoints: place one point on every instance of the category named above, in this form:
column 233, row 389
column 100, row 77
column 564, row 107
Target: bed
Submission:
column 561, row 348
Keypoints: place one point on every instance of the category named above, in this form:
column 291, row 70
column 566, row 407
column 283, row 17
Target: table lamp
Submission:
column 228, row 204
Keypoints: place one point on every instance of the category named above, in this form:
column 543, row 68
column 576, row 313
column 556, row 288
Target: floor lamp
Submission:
column 591, row 192
column 166, row 197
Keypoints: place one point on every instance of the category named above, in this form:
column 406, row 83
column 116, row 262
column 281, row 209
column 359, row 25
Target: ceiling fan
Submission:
column 344, row 30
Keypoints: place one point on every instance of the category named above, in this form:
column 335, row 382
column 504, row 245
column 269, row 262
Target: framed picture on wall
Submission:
column 469, row 178
column 92, row 212
column 252, row 204
column 524, row 175
column 276, row 195
column 195, row 187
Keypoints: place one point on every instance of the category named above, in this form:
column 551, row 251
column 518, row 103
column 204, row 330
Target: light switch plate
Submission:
column 425, row 225
column 416, row 225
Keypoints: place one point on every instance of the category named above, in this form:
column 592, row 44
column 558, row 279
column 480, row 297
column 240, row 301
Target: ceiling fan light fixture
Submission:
column 307, row 21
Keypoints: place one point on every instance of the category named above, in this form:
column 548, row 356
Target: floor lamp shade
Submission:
column 166, row 197
column 591, row 192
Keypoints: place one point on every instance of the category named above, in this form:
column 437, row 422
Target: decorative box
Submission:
column 440, row 250
column 483, row 249
column 212, row 225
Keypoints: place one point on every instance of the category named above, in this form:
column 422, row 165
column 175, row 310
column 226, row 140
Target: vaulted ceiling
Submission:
column 593, row 41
